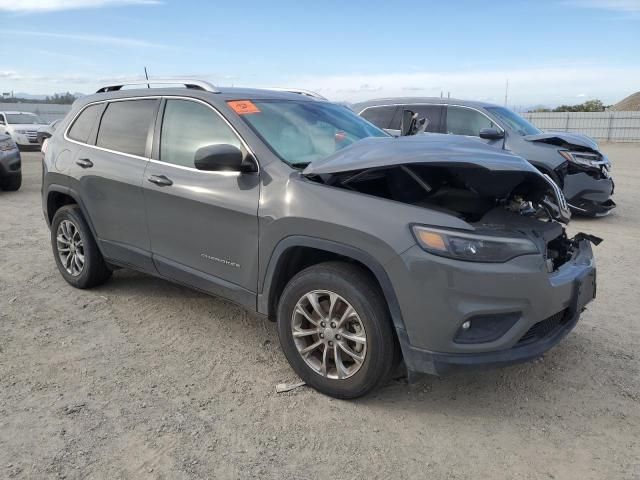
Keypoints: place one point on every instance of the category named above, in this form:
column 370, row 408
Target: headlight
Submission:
column 590, row 160
column 21, row 131
column 471, row 247
column 7, row 145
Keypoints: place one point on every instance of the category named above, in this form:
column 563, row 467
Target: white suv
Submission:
column 21, row 126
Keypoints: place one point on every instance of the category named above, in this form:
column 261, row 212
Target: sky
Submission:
column 549, row 51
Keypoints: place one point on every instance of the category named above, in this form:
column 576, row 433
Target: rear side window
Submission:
column 188, row 126
column 125, row 126
column 380, row 116
column 431, row 113
column 81, row 128
column 466, row 121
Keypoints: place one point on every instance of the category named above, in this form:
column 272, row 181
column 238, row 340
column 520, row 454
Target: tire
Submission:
column 94, row 271
column 347, row 285
column 11, row 184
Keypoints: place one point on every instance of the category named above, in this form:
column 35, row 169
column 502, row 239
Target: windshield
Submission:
column 23, row 118
column 514, row 121
column 301, row 132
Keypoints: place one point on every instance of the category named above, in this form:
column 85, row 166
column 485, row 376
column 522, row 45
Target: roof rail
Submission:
column 188, row 83
column 299, row 91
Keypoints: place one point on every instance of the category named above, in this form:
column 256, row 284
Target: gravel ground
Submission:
column 144, row 379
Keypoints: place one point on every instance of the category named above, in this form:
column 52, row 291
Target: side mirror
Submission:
column 491, row 134
column 411, row 124
column 408, row 122
column 219, row 158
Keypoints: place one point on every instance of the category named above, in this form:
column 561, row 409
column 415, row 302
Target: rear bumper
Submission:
column 546, row 308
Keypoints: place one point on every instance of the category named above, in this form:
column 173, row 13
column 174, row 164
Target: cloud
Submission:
column 629, row 6
column 551, row 85
column 554, row 84
column 30, row 6
column 101, row 39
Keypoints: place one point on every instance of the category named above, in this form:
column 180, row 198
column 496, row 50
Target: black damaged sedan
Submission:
column 10, row 164
column 573, row 161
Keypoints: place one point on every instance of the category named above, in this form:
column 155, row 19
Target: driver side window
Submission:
column 466, row 121
column 188, row 126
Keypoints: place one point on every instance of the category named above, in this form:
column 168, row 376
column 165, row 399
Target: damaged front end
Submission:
column 510, row 207
column 585, row 175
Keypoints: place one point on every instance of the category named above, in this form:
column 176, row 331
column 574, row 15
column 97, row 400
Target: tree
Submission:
column 62, row 99
column 588, row 106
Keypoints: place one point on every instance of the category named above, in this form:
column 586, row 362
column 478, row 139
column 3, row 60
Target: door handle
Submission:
column 160, row 180
column 84, row 162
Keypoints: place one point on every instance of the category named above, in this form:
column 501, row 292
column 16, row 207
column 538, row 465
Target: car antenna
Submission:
column 146, row 75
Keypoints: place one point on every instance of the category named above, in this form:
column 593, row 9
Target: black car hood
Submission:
column 562, row 138
column 435, row 149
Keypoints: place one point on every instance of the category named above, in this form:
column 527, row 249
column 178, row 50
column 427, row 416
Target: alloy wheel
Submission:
column 329, row 334
column 70, row 247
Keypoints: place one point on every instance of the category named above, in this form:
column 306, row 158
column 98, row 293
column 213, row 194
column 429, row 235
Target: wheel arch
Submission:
column 285, row 262
column 59, row 196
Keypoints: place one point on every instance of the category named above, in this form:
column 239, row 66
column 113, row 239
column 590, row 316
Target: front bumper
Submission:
column 441, row 294
column 24, row 139
column 10, row 163
column 588, row 195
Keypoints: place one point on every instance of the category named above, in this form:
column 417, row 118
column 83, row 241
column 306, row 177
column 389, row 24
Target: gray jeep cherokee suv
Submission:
column 366, row 249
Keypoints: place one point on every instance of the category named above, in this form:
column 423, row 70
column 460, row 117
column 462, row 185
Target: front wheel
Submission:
column 335, row 330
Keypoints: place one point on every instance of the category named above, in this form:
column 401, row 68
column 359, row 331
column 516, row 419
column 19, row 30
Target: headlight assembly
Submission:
column 7, row 145
column 471, row 247
column 589, row 160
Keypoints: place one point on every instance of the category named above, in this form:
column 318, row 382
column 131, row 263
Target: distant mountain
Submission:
column 629, row 104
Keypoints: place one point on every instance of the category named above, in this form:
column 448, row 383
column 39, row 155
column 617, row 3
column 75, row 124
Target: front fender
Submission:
column 278, row 257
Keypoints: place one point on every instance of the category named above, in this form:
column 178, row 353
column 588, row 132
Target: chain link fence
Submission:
column 604, row 126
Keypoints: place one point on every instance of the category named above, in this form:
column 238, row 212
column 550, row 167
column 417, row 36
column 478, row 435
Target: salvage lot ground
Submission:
column 144, row 379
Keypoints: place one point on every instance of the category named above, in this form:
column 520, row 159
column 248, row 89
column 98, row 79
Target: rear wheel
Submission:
column 335, row 330
column 75, row 251
column 11, row 184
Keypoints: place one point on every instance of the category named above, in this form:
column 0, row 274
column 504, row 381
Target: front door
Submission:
column 469, row 121
column 203, row 225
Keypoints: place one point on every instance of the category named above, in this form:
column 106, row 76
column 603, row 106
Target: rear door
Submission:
column 107, row 171
column 203, row 225
column 433, row 113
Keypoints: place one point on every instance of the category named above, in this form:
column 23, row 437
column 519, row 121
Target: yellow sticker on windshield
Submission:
column 243, row 107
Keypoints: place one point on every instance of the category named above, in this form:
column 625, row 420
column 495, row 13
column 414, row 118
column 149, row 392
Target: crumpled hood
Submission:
column 468, row 156
column 434, row 149
column 558, row 138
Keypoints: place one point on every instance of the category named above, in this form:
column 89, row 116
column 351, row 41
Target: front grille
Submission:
column 545, row 328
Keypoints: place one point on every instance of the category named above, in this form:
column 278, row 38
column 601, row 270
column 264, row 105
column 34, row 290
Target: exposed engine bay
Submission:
column 500, row 202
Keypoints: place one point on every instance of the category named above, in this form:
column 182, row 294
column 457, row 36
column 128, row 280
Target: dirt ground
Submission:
column 144, row 379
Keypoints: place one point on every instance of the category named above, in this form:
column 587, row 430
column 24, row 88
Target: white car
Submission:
column 22, row 127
